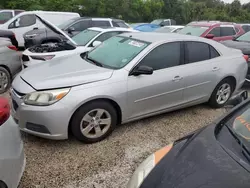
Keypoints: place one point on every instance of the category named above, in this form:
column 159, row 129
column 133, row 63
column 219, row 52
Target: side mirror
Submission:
column 210, row 36
column 96, row 43
column 142, row 70
column 71, row 29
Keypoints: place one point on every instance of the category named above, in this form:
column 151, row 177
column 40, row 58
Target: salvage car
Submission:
column 128, row 77
column 218, row 31
column 12, row 158
column 10, row 63
column 71, row 28
column 84, row 41
column 242, row 43
column 214, row 156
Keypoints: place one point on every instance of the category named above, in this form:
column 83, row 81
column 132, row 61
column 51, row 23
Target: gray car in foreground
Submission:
column 12, row 158
column 10, row 63
column 128, row 77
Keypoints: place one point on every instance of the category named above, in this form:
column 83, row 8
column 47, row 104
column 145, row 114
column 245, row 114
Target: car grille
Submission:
column 25, row 58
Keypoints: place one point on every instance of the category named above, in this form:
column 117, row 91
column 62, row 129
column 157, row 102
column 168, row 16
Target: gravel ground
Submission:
column 110, row 163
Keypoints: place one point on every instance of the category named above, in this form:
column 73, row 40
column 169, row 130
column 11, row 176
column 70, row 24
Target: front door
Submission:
column 161, row 90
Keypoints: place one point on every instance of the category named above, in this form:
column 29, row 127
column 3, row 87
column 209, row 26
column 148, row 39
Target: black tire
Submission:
column 85, row 109
column 212, row 101
column 3, row 185
column 6, row 72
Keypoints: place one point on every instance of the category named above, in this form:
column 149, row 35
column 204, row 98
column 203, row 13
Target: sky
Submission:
column 242, row 1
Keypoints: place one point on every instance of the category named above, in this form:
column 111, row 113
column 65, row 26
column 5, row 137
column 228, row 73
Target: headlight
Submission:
column 147, row 166
column 45, row 98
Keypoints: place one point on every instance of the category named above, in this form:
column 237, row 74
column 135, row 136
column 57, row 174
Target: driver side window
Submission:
column 23, row 21
column 215, row 31
column 164, row 56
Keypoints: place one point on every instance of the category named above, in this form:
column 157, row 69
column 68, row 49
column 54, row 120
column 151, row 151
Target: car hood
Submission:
column 55, row 29
column 200, row 162
column 236, row 44
column 62, row 72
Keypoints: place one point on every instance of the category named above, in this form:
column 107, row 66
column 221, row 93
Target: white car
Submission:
column 12, row 157
column 83, row 41
column 169, row 29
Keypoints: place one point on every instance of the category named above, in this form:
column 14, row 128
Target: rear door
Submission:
column 202, row 69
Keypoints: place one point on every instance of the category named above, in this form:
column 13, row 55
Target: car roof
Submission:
column 106, row 29
column 174, row 26
column 99, row 18
column 209, row 23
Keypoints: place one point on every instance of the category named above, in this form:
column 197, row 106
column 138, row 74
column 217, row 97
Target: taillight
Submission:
column 12, row 48
column 4, row 110
column 246, row 57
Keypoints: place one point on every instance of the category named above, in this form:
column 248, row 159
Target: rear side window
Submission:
column 227, row 31
column 246, row 28
column 18, row 12
column 23, row 21
column 96, row 23
column 199, row 51
column 5, row 16
column 119, row 24
column 163, row 56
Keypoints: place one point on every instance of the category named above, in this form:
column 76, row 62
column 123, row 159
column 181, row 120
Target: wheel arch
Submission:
column 109, row 100
column 8, row 69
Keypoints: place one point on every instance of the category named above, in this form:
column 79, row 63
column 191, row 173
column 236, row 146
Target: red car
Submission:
column 218, row 31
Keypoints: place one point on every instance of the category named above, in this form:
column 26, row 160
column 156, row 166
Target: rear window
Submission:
column 193, row 30
column 119, row 24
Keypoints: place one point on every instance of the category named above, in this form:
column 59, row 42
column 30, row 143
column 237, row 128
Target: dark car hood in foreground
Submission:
column 236, row 44
column 202, row 163
column 63, row 72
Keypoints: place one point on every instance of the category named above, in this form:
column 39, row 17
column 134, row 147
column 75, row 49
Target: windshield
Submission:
column 157, row 22
column 124, row 48
column 244, row 37
column 193, row 30
column 85, row 36
column 5, row 16
column 164, row 30
column 66, row 24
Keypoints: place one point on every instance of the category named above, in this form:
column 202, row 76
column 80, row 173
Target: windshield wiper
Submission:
column 245, row 150
column 93, row 61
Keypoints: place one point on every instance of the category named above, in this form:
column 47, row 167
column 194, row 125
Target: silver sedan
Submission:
column 126, row 78
column 12, row 159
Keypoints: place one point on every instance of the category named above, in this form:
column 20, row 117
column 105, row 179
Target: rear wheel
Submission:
column 94, row 121
column 5, row 80
column 221, row 93
column 3, row 185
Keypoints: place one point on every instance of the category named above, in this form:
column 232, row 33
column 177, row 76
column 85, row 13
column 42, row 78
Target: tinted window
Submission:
column 80, row 26
column 213, row 53
column 100, row 23
column 5, row 16
column 85, row 36
column 193, row 30
column 196, row 51
column 106, row 36
column 246, row 28
column 18, row 12
column 119, row 24
column 227, row 31
column 215, row 31
column 164, row 56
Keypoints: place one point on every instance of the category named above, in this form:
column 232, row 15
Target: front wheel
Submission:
column 221, row 94
column 94, row 121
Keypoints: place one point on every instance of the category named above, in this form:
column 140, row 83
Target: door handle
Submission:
column 216, row 68
column 177, row 78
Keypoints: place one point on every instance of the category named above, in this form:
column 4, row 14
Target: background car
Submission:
column 245, row 26
column 71, row 28
column 128, row 77
column 214, row 156
column 169, row 29
column 146, row 27
column 10, row 63
column 10, row 35
column 164, row 22
column 218, row 31
column 6, row 14
column 242, row 43
column 82, row 42
column 12, row 158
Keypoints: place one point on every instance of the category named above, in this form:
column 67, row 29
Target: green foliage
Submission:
column 183, row 11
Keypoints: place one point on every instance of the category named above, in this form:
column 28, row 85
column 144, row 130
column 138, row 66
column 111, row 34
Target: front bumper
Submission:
column 49, row 122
